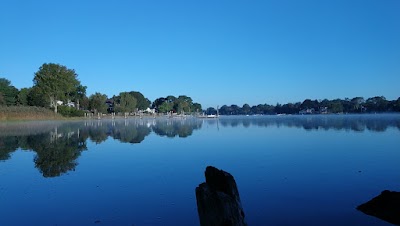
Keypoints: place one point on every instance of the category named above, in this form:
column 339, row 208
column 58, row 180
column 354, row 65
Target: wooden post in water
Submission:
column 218, row 201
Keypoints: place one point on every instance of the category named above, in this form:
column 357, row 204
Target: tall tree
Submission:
column 78, row 95
column 165, row 107
column 158, row 102
column 357, row 103
column 97, row 103
column 336, row 106
column 376, row 104
column 22, row 97
column 2, row 101
column 142, row 102
column 127, row 103
column 57, row 82
column 397, row 105
column 196, row 107
column 246, row 109
column 36, row 97
column 8, row 93
column 183, row 104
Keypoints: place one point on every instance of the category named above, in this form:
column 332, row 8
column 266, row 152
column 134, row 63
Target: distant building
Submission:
column 110, row 105
column 307, row 111
column 151, row 111
column 70, row 104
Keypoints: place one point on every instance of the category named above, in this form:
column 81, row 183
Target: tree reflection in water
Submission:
column 58, row 145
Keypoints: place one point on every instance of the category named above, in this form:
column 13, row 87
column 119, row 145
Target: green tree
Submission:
column 309, row 104
column 376, row 104
column 246, row 109
column 156, row 104
column 8, row 93
column 56, row 82
column 2, row 101
column 196, row 107
column 84, row 103
column 142, row 102
column 36, row 97
column 183, row 104
column 126, row 103
column 22, row 97
column 165, row 107
column 97, row 103
column 336, row 106
column 397, row 104
column 78, row 95
column 357, row 103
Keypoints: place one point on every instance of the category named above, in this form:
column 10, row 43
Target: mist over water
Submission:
column 290, row 170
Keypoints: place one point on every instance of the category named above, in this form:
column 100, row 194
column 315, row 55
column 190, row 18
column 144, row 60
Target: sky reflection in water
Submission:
column 290, row 170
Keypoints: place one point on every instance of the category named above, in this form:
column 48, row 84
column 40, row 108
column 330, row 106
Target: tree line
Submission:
column 57, row 87
column 376, row 104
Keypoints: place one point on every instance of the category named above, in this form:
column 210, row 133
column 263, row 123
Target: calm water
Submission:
column 290, row 170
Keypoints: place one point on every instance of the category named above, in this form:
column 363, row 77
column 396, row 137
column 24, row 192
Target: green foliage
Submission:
column 36, row 97
column 196, row 107
column 78, row 95
column 376, row 104
column 126, row 103
column 56, row 82
column 84, row 103
column 67, row 111
column 97, row 103
column 165, row 107
column 181, row 104
column 8, row 93
column 336, row 106
column 22, row 98
column 397, row 105
column 2, row 101
column 142, row 102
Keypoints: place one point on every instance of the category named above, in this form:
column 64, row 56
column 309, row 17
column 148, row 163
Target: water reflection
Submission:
column 358, row 123
column 58, row 145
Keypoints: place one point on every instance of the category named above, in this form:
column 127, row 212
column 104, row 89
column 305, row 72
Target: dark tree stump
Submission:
column 218, row 201
column 385, row 206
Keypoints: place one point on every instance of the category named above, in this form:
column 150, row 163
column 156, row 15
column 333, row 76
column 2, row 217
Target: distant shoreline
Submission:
column 31, row 113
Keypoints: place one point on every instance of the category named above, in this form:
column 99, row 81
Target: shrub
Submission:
column 70, row 111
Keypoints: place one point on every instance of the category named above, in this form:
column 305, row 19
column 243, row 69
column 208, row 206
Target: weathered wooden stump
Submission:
column 218, row 201
column 385, row 206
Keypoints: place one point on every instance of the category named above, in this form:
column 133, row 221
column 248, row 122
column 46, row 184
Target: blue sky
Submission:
column 217, row 52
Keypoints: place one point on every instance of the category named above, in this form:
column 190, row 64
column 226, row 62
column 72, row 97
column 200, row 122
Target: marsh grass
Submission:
column 11, row 113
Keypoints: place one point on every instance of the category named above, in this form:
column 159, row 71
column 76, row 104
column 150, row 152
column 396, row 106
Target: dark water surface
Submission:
column 290, row 170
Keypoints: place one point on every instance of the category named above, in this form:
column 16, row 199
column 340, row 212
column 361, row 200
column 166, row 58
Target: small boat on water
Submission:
column 207, row 116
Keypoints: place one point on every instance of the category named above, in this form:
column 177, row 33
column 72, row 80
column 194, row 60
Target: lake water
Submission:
column 290, row 170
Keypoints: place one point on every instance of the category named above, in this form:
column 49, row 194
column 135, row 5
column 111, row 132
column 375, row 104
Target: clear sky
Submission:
column 215, row 51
